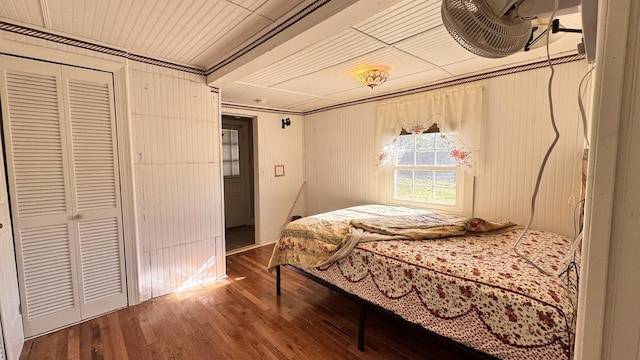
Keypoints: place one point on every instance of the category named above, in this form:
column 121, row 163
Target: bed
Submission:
column 456, row 277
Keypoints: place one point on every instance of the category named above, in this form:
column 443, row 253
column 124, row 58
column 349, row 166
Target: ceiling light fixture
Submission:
column 372, row 77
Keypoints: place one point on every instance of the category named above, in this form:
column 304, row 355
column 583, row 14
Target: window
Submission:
column 230, row 153
column 425, row 174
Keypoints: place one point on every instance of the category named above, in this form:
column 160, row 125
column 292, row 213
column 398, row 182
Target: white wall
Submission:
column 273, row 145
column 340, row 158
column 515, row 135
column 176, row 127
column 340, row 154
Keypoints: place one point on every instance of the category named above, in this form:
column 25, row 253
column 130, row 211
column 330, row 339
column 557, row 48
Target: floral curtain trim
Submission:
column 384, row 156
column 464, row 156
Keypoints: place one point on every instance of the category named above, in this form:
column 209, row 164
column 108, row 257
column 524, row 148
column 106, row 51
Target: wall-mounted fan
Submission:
column 495, row 28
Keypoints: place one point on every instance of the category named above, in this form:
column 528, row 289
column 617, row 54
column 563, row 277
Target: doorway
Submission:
column 237, row 160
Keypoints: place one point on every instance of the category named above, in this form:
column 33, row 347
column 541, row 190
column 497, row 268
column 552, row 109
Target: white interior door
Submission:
column 59, row 137
column 237, row 178
column 95, row 199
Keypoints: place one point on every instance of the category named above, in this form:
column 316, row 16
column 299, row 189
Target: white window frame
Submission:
column 464, row 189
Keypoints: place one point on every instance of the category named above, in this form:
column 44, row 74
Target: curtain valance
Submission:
column 458, row 113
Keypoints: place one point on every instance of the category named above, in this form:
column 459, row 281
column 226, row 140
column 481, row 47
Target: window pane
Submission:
column 226, row 136
column 423, row 194
column 425, row 185
column 404, row 157
column 440, row 143
column 423, row 178
column 445, row 179
column 444, row 196
column 426, row 158
column 425, row 142
column 444, row 159
column 404, row 177
column 230, row 153
column 226, row 152
column 235, row 168
column 403, row 192
column 226, row 168
column 405, row 142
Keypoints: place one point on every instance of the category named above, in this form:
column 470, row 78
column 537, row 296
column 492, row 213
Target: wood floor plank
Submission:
column 242, row 318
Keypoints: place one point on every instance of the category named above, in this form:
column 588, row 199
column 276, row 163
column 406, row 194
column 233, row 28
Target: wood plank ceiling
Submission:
column 307, row 61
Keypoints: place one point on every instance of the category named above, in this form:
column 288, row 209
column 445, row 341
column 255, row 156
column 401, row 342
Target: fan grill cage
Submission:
column 477, row 29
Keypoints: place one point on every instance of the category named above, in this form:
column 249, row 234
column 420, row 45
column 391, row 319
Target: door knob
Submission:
column 76, row 217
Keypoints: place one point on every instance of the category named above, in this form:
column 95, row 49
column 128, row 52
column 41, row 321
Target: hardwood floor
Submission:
column 242, row 318
column 239, row 237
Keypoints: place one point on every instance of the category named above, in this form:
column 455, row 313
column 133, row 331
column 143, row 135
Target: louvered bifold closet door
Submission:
column 60, row 141
column 37, row 161
column 96, row 186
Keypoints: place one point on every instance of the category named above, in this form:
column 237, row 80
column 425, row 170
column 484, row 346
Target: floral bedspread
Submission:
column 473, row 289
column 317, row 240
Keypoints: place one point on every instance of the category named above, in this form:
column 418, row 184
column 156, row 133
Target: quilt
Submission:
column 317, row 240
column 470, row 287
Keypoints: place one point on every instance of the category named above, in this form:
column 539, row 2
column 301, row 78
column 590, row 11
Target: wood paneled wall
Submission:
column 174, row 119
column 176, row 132
column 340, row 154
column 340, row 158
column 516, row 133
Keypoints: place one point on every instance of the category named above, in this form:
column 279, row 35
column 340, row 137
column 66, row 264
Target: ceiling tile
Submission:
column 216, row 51
column 435, row 46
column 406, row 19
column 340, row 48
column 247, row 94
column 250, row 5
column 564, row 46
column 25, row 11
column 342, row 76
column 274, row 10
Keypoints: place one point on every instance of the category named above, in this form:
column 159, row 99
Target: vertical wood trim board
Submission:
column 177, row 169
column 340, row 153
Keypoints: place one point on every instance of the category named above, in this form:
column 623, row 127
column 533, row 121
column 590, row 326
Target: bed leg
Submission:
column 278, row 280
column 361, row 325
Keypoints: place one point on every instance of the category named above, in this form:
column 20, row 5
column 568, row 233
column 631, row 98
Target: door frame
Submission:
column 253, row 179
column 123, row 135
column 236, row 122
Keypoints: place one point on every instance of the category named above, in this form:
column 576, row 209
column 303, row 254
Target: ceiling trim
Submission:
column 23, row 30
